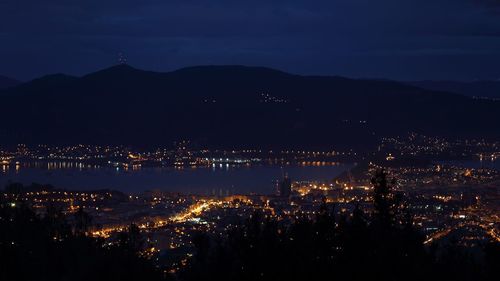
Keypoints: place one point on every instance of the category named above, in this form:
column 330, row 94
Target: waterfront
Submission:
column 218, row 179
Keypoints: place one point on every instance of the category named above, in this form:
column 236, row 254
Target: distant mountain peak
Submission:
column 116, row 72
column 119, row 68
column 122, row 66
column 233, row 106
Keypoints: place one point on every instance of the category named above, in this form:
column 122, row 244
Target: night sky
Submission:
column 395, row 39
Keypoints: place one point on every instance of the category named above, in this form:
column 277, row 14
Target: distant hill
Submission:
column 6, row 82
column 478, row 89
column 233, row 106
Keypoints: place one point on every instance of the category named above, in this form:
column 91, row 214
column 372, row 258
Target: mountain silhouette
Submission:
column 6, row 82
column 233, row 106
column 478, row 89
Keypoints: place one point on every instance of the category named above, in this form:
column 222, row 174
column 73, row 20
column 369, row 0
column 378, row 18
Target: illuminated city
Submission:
column 249, row 140
column 446, row 197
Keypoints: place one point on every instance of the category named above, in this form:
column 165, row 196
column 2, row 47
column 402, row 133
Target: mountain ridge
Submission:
column 478, row 89
column 234, row 106
column 7, row 82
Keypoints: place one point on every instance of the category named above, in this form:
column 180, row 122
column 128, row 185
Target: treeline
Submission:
column 49, row 248
column 380, row 246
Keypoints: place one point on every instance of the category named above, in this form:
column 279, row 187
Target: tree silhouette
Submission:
column 56, row 223
column 34, row 248
column 131, row 240
column 82, row 222
column 385, row 200
column 382, row 245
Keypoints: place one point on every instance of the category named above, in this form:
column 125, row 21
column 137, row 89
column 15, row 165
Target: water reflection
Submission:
column 226, row 177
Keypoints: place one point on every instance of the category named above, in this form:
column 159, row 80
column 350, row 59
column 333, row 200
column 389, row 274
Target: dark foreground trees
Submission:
column 380, row 246
column 34, row 248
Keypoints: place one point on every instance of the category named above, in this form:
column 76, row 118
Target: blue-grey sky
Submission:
column 395, row 39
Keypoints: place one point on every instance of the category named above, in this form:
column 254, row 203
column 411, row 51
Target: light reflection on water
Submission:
column 201, row 180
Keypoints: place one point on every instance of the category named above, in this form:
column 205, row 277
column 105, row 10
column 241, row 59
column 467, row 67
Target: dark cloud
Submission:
column 386, row 38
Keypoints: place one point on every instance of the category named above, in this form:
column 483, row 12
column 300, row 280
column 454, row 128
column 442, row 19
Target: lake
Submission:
column 202, row 180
